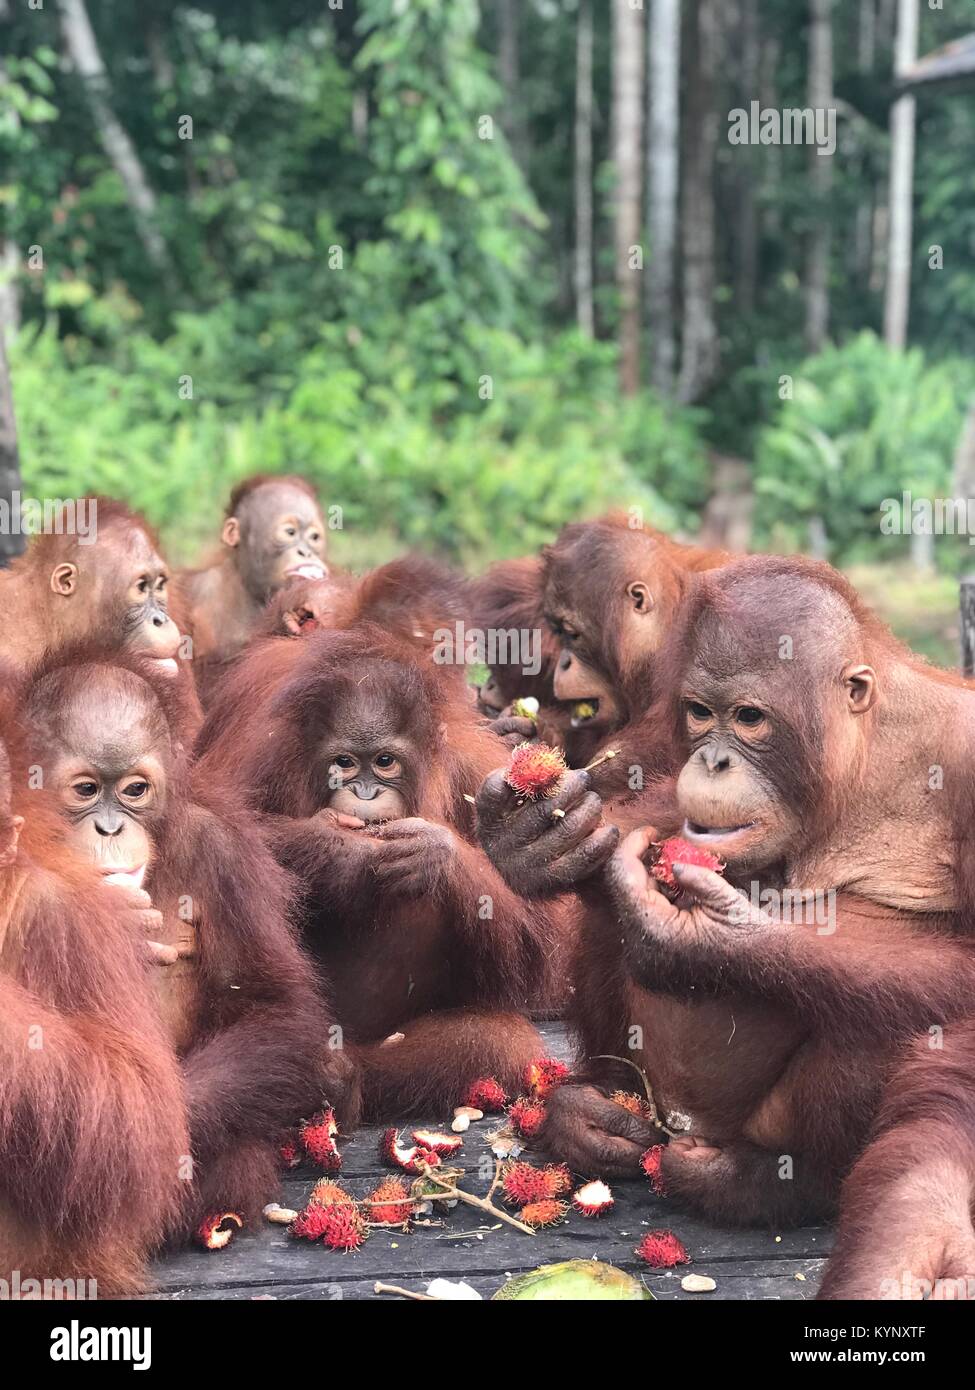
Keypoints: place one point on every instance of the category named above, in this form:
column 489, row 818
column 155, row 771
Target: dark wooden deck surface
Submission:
column 266, row 1263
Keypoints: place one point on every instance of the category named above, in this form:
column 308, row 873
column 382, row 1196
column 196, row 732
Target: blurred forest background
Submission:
column 481, row 268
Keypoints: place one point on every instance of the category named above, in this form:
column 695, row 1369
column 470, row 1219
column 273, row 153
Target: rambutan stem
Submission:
column 405, row 1293
column 601, row 758
column 655, row 1119
column 458, row 1194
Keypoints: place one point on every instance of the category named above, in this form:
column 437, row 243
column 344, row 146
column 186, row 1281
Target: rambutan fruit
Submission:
column 593, row 1199
column 318, row 1137
column 544, row 1074
column 219, row 1229
column 341, row 1225
column 442, row 1144
column 547, row 1212
column 390, row 1203
column 527, row 1114
column 535, row 769
column 406, row 1156
column 290, row 1152
column 650, row 1163
column 326, row 1193
column 662, row 1250
column 487, row 1095
column 637, row 1105
column 678, row 851
column 523, row 1183
column 526, row 707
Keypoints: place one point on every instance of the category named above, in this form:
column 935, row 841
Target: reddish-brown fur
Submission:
column 428, row 963
column 778, row 1040
column 92, row 1118
column 906, row 1214
column 242, row 1007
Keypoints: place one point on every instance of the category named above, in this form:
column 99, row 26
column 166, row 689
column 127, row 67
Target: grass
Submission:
column 921, row 609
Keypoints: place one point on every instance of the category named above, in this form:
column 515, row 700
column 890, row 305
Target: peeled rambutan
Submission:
column 219, row 1229
column 487, row 1095
column 662, row 1250
column 318, row 1137
column 535, row 769
column 391, row 1205
column 650, row 1163
column 637, row 1105
column 523, row 1183
column 527, row 1114
column 593, row 1199
column 547, row 1212
column 406, row 1156
column 678, row 851
column 437, row 1141
column 544, row 1074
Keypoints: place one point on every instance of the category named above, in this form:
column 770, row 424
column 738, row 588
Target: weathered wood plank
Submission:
column 266, row 1262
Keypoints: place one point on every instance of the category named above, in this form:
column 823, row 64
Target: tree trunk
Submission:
column 902, row 115
column 746, row 212
column 820, row 97
column 508, row 67
column 699, row 362
column 628, row 49
column 663, row 183
column 11, row 544
column 87, row 61
column 583, row 171
column 863, row 226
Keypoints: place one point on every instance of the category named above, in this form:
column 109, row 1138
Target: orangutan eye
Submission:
column 290, row 531
column 314, row 537
column 85, row 790
column 134, row 791
column 698, row 711
column 749, row 715
column 143, row 585
column 345, row 761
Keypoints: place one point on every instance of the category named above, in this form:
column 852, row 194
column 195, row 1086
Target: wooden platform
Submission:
column 265, row 1263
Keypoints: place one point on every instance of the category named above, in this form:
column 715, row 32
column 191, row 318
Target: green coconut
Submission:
column 574, row 1280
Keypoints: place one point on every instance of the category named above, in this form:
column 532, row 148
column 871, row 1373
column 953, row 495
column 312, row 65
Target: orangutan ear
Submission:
column 861, row 688
column 230, row 535
column 640, row 596
column 64, row 579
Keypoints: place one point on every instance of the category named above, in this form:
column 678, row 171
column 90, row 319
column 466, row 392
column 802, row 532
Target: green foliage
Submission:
column 865, row 423
column 501, row 478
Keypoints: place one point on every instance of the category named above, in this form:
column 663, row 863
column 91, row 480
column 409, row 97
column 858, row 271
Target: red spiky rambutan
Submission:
column 406, row 1156
column 544, row 1074
column 593, row 1199
column 662, row 1250
column 340, row 1225
column 547, row 1212
column 318, row 1137
column 326, row 1193
column 487, row 1095
column 637, row 1105
column 391, row 1205
column 527, row 1114
column 678, row 851
column 535, row 769
column 523, row 1183
column 650, row 1163
column 219, row 1229
column 290, row 1151
column 437, row 1141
